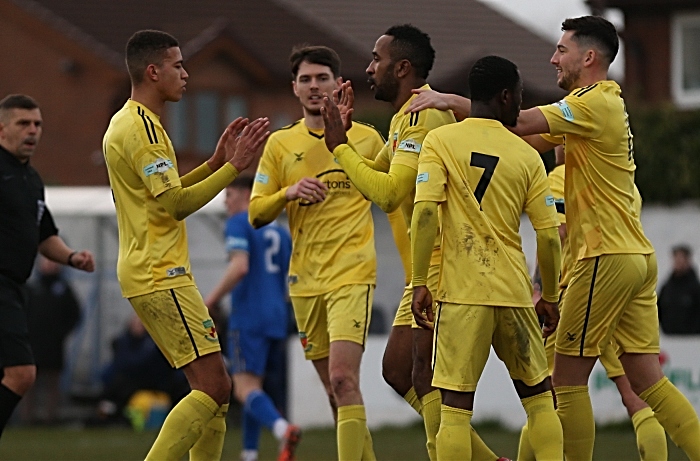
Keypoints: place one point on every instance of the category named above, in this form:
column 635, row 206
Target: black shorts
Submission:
column 14, row 334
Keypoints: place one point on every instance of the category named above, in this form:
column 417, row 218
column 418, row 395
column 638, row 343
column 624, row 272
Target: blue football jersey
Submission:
column 259, row 300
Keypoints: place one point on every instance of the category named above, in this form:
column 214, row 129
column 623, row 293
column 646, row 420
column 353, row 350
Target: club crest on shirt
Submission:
column 305, row 342
column 209, row 325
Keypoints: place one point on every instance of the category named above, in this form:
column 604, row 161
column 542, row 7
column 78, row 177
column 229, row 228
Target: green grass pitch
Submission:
column 391, row 444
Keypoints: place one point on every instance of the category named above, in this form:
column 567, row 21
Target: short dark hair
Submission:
column 144, row 48
column 682, row 248
column 18, row 101
column 490, row 75
column 596, row 31
column 243, row 181
column 412, row 44
column 314, row 54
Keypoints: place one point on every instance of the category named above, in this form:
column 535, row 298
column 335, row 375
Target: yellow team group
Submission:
column 454, row 193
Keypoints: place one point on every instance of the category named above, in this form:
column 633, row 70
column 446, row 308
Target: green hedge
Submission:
column 667, row 154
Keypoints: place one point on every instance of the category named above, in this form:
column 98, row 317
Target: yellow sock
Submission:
column 525, row 451
column 431, row 419
column 183, row 427
column 676, row 415
column 368, row 447
column 651, row 438
column 543, row 427
column 480, row 451
column 352, row 426
column 412, row 398
column 211, row 443
column 450, row 441
column 576, row 416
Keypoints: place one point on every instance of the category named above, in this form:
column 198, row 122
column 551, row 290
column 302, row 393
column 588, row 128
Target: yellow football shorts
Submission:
column 339, row 315
column 179, row 323
column 610, row 297
column 463, row 338
column 404, row 315
column 608, row 359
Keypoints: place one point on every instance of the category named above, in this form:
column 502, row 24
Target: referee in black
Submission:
column 26, row 226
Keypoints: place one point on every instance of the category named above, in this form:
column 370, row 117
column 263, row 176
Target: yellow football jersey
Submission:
column 599, row 171
column 406, row 135
column 333, row 241
column 141, row 164
column 484, row 177
column 556, row 184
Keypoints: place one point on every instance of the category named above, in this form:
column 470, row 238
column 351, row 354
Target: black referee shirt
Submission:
column 25, row 220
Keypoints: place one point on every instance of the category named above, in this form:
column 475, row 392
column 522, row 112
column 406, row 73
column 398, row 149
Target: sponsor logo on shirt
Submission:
column 565, row 110
column 549, row 200
column 159, row 166
column 262, row 178
column 299, row 156
column 423, row 177
column 209, row 325
column 410, row 145
column 175, row 271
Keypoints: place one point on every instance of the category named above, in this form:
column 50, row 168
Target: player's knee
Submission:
column 395, row 379
column 343, row 382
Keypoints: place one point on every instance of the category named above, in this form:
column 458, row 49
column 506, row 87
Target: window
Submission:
column 196, row 122
column 685, row 59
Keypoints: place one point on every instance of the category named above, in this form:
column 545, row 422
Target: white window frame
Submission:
column 683, row 98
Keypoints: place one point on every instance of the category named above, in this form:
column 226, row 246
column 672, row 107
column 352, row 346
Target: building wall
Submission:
column 74, row 87
column 647, row 38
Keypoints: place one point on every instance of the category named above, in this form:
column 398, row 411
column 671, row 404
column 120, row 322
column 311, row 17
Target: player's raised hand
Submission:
column 422, row 307
column 217, row 160
column 310, row 189
column 83, row 260
column 549, row 312
column 333, row 131
column 246, row 145
column 344, row 98
column 427, row 99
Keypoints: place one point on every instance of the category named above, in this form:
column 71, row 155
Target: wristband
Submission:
column 70, row 258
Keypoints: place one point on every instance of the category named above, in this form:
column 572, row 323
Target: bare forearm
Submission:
column 55, row 249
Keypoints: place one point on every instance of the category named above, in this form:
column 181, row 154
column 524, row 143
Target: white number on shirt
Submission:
column 273, row 247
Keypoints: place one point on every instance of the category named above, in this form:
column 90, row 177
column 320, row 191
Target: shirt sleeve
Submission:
column 556, row 184
column 432, row 174
column 267, row 200
column 237, row 234
column 574, row 115
column 156, row 169
column 47, row 226
column 382, row 161
column 410, row 141
column 540, row 205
